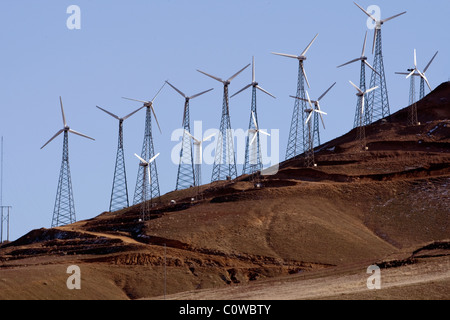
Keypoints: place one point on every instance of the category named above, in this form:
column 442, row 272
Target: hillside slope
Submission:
column 354, row 209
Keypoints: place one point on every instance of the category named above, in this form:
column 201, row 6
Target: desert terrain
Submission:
column 303, row 233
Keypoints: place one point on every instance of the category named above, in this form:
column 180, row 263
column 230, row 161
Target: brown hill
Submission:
column 352, row 210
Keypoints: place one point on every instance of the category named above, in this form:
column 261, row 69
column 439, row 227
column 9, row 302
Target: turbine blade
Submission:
column 136, row 100
column 367, row 64
column 320, row 111
column 323, row 95
column 390, row 18
column 368, row 14
column 285, row 55
column 153, row 100
column 149, row 176
column 309, row 117
column 142, row 160
column 403, row 73
column 426, row 80
column 410, row 74
column 426, row 68
column 359, row 90
column 415, row 58
column 235, row 75
column 62, row 112
column 190, row 135
column 208, row 137
column 306, row 78
column 156, row 119
column 129, row 115
column 362, row 105
column 309, row 46
column 266, row 92
column 253, row 69
column 57, row 134
column 244, row 88
column 80, row 134
column 184, row 96
column 371, row 89
column 299, row 98
column 110, row 113
column 321, row 118
column 153, row 159
column 354, row 60
column 199, row 94
column 211, row 76
column 374, row 39
column 254, row 120
column 254, row 138
column 364, row 45
column 263, row 132
column 309, row 100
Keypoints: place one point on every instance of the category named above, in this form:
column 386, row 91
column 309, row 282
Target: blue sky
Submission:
column 129, row 48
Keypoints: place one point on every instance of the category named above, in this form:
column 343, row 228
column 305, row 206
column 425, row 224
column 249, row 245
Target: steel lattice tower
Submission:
column 253, row 165
column 412, row 89
column 224, row 161
column 119, row 192
column 186, row 176
column 145, row 191
column 224, row 167
column 378, row 101
column 297, row 134
column 412, row 110
column 64, row 209
column 186, row 173
column 422, row 89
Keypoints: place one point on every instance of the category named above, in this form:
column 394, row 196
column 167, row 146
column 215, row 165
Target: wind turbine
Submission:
column 119, row 192
column 412, row 73
column 316, row 133
column 362, row 78
column 186, row 174
column 297, row 134
column 64, row 210
column 416, row 72
column 361, row 128
column 198, row 155
column 147, row 153
column 378, row 102
column 255, row 161
column 309, row 152
column 224, row 161
column 249, row 166
column 145, row 165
